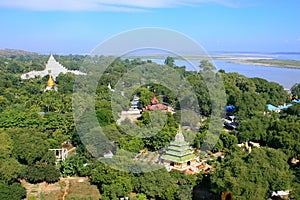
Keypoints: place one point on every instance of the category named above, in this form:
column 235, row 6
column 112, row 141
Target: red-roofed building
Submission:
column 154, row 100
column 155, row 105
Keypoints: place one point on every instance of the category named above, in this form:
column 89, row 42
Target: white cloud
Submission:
column 106, row 5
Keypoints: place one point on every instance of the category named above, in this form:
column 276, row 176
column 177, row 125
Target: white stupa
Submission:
column 52, row 66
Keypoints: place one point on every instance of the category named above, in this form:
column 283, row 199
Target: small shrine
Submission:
column 179, row 155
column 60, row 154
column 155, row 105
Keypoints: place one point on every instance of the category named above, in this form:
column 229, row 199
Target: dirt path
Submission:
column 59, row 189
column 66, row 189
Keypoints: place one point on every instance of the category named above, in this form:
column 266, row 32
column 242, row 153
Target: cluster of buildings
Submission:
column 178, row 155
column 135, row 111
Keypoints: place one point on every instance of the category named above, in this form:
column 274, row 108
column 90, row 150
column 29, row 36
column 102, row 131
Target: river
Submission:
column 285, row 76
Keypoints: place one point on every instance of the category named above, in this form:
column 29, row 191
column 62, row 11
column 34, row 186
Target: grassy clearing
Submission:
column 82, row 191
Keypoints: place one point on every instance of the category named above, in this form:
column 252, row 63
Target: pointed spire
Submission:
column 51, row 85
column 51, row 58
column 154, row 100
column 179, row 136
column 50, row 82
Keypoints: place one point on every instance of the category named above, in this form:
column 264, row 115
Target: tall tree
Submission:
column 170, row 61
column 252, row 176
column 296, row 90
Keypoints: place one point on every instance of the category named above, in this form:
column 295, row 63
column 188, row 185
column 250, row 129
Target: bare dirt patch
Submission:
column 66, row 189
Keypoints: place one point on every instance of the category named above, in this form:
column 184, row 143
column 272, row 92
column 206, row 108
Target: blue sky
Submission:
column 78, row 26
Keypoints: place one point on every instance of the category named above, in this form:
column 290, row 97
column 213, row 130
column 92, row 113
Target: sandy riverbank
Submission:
column 257, row 63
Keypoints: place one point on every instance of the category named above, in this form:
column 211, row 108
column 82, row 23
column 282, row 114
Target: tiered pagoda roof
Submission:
column 179, row 150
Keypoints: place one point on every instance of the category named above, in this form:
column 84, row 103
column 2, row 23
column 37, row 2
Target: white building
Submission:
column 53, row 67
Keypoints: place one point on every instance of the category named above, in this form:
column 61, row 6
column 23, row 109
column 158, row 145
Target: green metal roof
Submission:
column 179, row 153
column 179, row 159
column 176, row 148
column 176, row 143
column 179, row 150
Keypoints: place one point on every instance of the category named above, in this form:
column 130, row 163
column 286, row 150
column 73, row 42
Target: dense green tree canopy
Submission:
column 12, row 192
column 33, row 121
column 252, row 176
column 296, row 90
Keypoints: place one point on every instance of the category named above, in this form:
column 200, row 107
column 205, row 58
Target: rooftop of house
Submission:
column 271, row 107
column 282, row 107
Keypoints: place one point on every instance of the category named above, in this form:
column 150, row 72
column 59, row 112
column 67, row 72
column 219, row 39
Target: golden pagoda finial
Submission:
column 50, row 83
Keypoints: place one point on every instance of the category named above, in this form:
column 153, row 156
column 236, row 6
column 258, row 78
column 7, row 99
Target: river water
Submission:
column 287, row 77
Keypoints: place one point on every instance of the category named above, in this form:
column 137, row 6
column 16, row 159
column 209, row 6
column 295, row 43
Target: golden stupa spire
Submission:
column 50, row 83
